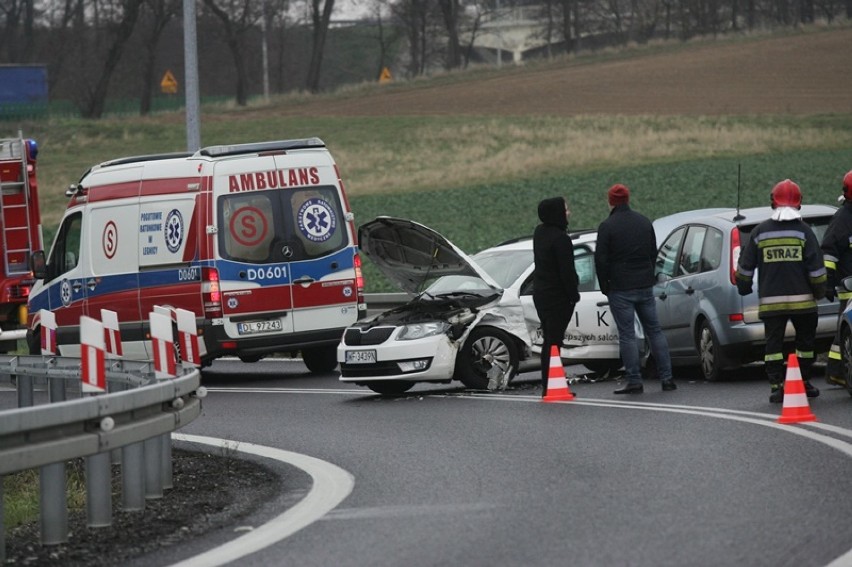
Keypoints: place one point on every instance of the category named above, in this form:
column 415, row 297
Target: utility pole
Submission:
column 190, row 63
column 264, row 53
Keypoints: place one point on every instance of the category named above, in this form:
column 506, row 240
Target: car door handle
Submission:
column 304, row 280
column 602, row 303
column 91, row 284
column 689, row 291
column 77, row 286
column 663, row 296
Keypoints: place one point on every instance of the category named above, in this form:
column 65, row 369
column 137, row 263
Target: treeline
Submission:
column 100, row 49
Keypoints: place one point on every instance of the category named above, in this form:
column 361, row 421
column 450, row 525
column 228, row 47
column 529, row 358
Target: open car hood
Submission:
column 409, row 254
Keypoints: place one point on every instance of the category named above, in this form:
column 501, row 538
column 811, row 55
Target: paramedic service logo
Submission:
column 65, row 292
column 316, row 220
column 174, row 231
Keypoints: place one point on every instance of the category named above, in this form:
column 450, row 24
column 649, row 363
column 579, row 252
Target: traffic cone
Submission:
column 796, row 408
column 557, row 384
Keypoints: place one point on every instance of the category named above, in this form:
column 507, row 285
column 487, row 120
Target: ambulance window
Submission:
column 248, row 227
column 315, row 221
column 66, row 251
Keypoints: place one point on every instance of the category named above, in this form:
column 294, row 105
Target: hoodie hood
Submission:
column 410, row 254
column 552, row 211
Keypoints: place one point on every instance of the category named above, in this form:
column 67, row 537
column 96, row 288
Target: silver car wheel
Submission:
column 707, row 352
column 485, row 349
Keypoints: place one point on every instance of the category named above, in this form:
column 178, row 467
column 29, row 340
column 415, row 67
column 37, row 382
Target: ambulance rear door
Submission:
column 252, row 260
column 316, row 236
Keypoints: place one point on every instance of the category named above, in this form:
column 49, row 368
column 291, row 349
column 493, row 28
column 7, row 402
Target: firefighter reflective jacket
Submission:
column 792, row 273
column 837, row 248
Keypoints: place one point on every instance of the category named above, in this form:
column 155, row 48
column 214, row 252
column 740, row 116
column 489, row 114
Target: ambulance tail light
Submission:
column 211, row 293
column 359, row 284
column 735, row 253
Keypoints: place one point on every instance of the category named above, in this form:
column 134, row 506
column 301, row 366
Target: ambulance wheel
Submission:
column 320, row 360
column 391, row 387
column 484, row 349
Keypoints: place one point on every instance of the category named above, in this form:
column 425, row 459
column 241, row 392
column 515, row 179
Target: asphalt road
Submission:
column 700, row 476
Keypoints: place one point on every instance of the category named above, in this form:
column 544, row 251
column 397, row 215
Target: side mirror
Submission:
column 38, row 264
column 847, row 283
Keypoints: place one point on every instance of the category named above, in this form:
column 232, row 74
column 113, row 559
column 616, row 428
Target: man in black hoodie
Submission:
column 555, row 283
column 625, row 253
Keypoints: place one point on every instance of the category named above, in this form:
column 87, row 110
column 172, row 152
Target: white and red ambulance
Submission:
column 258, row 240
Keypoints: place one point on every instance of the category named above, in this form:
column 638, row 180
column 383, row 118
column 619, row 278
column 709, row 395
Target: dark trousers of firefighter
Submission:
column 834, row 367
column 805, row 326
column 553, row 325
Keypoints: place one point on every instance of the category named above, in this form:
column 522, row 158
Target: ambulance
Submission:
column 258, row 240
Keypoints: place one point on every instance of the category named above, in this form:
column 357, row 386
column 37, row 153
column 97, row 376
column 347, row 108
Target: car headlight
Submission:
column 421, row 330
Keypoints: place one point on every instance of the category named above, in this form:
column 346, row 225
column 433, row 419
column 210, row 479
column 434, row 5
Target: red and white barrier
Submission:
column 48, row 332
column 163, row 344
column 112, row 335
column 188, row 336
column 92, row 350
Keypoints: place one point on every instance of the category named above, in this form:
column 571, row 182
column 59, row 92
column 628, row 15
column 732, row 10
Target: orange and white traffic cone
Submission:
column 557, row 384
column 796, row 408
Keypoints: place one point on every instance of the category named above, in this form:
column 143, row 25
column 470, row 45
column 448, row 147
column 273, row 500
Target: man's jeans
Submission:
column 625, row 305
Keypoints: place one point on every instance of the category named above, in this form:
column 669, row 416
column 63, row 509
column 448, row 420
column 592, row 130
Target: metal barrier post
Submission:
column 98, row 491
column 168, row 482
column 2, row 526
column 132, row 479
column 153, row 476
column 24, row 386
column 53, row 506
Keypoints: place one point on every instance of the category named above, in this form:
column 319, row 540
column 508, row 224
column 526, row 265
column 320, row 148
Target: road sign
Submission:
column 385, row 77
column 169, row 84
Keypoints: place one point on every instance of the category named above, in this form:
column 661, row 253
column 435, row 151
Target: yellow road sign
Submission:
column 385, row 77
column 169, row 84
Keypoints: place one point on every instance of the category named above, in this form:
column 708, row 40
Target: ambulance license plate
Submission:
column 251, row 327
column 360, row 357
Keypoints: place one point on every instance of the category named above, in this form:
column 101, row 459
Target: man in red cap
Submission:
column 624, row 259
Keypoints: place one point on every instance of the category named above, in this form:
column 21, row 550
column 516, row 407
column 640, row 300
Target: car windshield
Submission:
column 504, row 267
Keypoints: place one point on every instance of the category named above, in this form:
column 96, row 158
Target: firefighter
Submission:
column 787, row 254
column 837, row 251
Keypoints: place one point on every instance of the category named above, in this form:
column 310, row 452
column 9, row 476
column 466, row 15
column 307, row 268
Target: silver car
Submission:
column 703, row 317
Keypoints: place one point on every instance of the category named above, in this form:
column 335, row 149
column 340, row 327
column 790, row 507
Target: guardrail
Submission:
column 378, row 302
column 136, row 416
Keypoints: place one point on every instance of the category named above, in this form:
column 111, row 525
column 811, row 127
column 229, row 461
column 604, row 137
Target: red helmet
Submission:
column 786, row 194
column 847, row 185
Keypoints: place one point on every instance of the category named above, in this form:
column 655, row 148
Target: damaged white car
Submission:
column 475, row 322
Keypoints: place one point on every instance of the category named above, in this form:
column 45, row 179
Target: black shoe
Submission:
column 810, row 390
column 630, row 389
column 668, row 385
column 777, row 395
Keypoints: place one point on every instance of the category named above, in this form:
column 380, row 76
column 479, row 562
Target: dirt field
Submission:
column 808, row 73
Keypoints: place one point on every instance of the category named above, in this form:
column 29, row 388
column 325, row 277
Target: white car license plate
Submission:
column 360, row 356
column 251, row 327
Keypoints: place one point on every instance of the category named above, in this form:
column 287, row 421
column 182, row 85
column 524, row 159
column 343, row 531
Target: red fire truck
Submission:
column 20, row 234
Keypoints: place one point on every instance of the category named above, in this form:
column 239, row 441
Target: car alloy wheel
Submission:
column 484, row 349
column 846, row 356
column 707, row 353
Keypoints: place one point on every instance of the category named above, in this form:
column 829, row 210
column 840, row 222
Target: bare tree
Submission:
column 450, row 11
column 320, row 17
column 238, row 18
column 16, row 29
column 113, row 24
column 160, row 13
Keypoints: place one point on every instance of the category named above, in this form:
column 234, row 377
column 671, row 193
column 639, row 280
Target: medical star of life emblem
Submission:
column 317, row 220
column 174, row 231
column 65, row 292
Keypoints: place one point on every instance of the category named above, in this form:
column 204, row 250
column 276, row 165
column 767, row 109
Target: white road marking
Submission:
column 331, row 486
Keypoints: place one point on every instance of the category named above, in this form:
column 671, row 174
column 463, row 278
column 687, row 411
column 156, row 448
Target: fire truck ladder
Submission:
column 14, row 206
